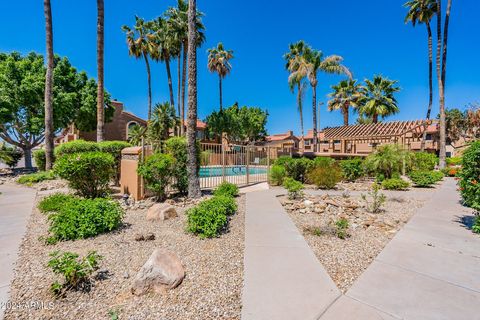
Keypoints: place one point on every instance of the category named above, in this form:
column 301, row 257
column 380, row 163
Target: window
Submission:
column 307, row 142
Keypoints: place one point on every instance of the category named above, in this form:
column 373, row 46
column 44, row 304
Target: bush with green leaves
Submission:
column 280, row 161
column 352, row 169
column 158, row 171
column 88, row 173
column 226, row 189
column 40, row 160
column 325, row 177
column 294, row 188
column 425, row 179
column 32, row 178
column 341, row 228
column 76, row 146
column 10, row 155
column 323, row 162
column 210, row 217
column 177, row 148
column 387, row 160
column 395, row 184
column 297, row 168
column 454, row 161
column 374, row 199
column 276, row 175
column 476, row 223
column 76, row 272
column 84, row 218
column 114, row 148
column 424, row 161
column 54, row 202
column 470, row 177
column 450, row 171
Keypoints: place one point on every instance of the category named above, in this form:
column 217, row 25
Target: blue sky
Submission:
column 369, row 34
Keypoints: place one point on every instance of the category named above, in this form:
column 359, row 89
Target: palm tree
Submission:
column 295, row 52
column 139, row 45
column 100, row 71
column 163, row 120
column 219, row 62
column 422, row 11
column 346, row 94
column 192, row 164
column 379, row 99
column 135, row 134
column 49, row 87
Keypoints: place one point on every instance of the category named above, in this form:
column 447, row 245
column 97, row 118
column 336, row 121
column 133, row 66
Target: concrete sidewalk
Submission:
column 15, row 207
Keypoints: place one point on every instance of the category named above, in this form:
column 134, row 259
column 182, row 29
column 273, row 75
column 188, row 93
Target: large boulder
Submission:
column 162, row 271
column 161, row 212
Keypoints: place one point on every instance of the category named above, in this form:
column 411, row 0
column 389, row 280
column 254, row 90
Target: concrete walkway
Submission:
column 429, row 270
column 15, row 207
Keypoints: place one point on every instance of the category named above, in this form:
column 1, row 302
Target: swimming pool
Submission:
column 206, row 172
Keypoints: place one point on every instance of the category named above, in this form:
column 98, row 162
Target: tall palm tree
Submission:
column 100, row 71
column 295, row 52
column 422, row 11
column 49, row 87
column 139, row 45
column 163, row 120
column 192, row 164
column 346, row 94
column 379, row 98
column 219, row 62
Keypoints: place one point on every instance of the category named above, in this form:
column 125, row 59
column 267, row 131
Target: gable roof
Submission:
column 281, row 136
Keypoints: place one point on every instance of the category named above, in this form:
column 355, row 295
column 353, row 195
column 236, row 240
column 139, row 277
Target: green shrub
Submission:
column 209, row 217
column 470, row 177
column 395, row 184
column 158, row 170
column 352, row 169
column 298, row 168
column 32, row 178
column 476, row 224
column 341, row 228
column 374, row 199
column 76, row 272
column 39, row 157
column 114, row 148
column 177, row 148
column 450, row 171
column 226, row 189
column 323, row 162
column 205, row 157
column 454, row 161
column 425, row 178
column 10, row 155
column 424, row 161
column 54, row 202
column 294, row 188
column 276, row 175
column 325, row 177
column 76, row 146
column 387, row 160
column 282, row 160
column 84, row 218
column 88, row 173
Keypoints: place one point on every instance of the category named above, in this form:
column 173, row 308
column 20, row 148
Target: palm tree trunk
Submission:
column 430, row 84
column 314, row 109
column 184, row 79
column 49, row 146
column 220, row 87
column 300, row 109
column 345, row 114
column 440, row 84
column 375, row 118
column 149, row 78
column 192, row 164
column 179, row 81
column 100, row 71
column 170, row 86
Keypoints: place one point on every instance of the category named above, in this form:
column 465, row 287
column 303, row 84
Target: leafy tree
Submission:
column 22, row 112
column 346, row 94
column 219, row 62
column 379, row 98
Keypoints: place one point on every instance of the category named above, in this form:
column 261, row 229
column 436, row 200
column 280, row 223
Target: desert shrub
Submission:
column 76, row 272
column 209, row 217
column 177, row 148
column 341, row 228
column 470, row 176
column 54, row 202
column 40, row 160
column 454, row 161
column 114, row 148
column 424, row 161
column 32, row 178
column 323, row 162
column 282, row 160
column 425, row 178
column 352, row 169
column 450, row 171
column 395, row 184
column 374, row 199
column 277, row 174
column 88, row 173
column 298, row 168
column 387, row 160
column 10, row 155
column 226, row 189
column 294, row 188
column 325, row 177
column 158, row 170
column 476, row 223
column 76, row 146
column 84, row 218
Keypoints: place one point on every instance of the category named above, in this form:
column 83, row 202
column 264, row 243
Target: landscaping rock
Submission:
column 161, row 212
column 162, row 271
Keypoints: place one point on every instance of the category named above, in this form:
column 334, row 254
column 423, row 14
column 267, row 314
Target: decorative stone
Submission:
column 161, row 212
column 308, row 203
column 162, row 271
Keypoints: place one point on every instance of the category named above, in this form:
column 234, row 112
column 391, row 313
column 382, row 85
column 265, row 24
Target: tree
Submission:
column 192, row 164
column 219, row 62
column 22, row 92
column 422, row 11
column 296, row 50
column 139, row 45
column 49, row 133
column 163, row 120
column 456, row 124
column 346, row 94
column 379, row 98
column 100, row 71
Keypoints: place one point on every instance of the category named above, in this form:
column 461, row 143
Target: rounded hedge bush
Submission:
column 88, row 173
column 158, row 170
column 325, row 177
column 425, row 178
column 55, row 202
column 395, row 184
column 39, row 157
column 470, row 177
column 352, row 169
column 277, row 175
column 76, row 146
column 298, row 168
column 226, row 189
column 424, row 161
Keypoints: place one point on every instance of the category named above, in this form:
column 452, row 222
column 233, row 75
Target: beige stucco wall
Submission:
column 130, row 181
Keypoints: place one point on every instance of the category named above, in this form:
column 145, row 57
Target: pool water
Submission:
column 206, row 172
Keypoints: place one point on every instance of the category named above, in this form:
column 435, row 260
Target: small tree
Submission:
column 158, row 170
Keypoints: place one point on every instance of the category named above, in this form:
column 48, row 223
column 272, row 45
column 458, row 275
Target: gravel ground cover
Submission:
column 211, row 289
column 368, row 233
